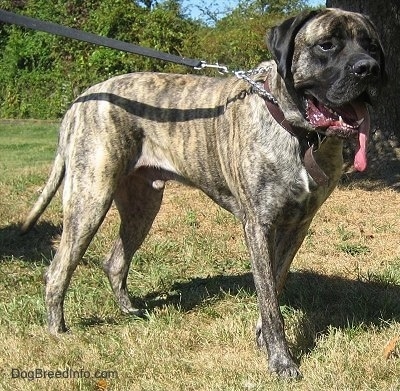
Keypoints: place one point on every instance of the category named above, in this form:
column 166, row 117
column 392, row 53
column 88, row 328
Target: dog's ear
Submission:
column 280, row 41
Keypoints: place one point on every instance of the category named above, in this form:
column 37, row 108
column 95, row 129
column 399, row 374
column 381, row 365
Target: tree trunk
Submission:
column 386, row 17
column 384, row 151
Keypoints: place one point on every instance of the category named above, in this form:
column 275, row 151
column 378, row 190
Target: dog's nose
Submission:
column 366, row 68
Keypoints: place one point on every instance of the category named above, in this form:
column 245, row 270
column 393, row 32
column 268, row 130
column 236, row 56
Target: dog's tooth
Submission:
column 360, row 121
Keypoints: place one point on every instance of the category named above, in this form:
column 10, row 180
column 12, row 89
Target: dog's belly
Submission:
column 157, row 167
column 155, row 159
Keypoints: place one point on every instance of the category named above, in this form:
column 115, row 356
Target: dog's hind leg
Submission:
column 85, row 206
column 138, row 200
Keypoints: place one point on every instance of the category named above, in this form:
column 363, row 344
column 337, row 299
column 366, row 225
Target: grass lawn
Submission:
column 341, row 304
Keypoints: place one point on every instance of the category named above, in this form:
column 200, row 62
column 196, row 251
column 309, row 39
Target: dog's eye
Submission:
column 373, row 48
column 327, row 46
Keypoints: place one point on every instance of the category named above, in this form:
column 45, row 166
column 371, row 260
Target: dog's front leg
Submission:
column 261, row 241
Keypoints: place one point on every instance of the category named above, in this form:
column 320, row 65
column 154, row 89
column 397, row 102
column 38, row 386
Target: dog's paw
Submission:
column 139, row 313
column 128, row 308
column 57, row 327
column 285, row 368
column 281, row 362
column 134, row 312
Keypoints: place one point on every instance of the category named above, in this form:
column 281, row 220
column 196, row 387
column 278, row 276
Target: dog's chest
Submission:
column 301, row 199
column 300, row 189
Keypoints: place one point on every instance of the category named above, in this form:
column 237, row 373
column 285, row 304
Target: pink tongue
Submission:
column 360, row 158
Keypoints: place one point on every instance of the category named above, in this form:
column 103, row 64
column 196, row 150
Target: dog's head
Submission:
column 333, row 61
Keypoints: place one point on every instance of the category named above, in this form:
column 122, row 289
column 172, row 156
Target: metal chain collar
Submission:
column 247, row 76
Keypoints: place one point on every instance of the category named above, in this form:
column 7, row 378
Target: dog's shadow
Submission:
column 38, row 244
column 333, row 301
column 323, row 301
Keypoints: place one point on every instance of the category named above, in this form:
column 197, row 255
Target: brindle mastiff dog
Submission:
column 123, row 138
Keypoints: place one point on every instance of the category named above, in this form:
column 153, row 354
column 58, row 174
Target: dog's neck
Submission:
column 287, row 98
column 309, row 139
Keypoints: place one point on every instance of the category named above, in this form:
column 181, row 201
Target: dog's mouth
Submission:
column 351, row 120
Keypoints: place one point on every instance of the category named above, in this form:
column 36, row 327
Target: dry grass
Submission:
column 341, row 304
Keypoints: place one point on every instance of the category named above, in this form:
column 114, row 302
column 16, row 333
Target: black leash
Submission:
column 56, row 29
column 35, row 24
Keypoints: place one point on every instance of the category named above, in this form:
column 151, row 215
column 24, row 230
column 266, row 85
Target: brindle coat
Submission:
column 123, row 138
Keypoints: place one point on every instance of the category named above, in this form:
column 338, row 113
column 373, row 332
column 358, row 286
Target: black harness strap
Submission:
column 53, row 28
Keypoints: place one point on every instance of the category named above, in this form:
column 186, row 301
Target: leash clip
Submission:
column 222, row 69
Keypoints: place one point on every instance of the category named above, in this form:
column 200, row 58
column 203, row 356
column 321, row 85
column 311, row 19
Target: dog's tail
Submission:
column 53, row 183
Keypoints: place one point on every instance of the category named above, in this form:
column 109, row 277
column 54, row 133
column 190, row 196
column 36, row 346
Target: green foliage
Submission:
column 354, row 249
column 40, row 74
column 274, row 6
